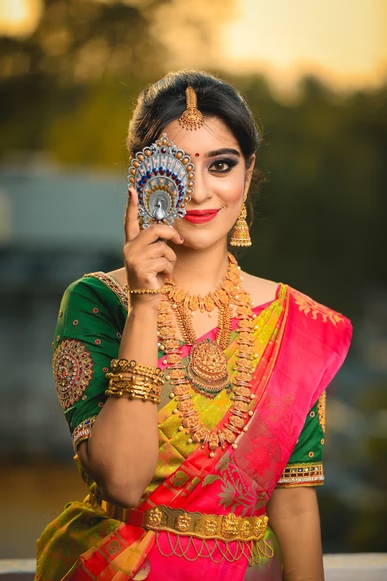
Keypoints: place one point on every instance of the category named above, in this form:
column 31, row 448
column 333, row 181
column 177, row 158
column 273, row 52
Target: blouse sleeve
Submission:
column 305, row 467
column 87, row 338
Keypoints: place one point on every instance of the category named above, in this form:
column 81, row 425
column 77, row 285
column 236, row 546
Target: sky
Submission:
column 343, row 41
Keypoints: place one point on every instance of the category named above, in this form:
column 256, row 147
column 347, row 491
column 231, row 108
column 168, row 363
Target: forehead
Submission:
column 213, row 135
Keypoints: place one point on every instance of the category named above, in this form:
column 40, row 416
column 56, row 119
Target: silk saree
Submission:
column 200, row 513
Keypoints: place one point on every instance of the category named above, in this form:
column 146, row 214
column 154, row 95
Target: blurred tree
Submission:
column 83, row 41
column 88, row 59
column 328, row 163
column 59, row 73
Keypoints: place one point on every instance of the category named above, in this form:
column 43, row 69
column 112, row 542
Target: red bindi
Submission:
column 197, row 154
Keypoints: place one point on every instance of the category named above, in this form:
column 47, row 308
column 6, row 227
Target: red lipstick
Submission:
column 200, row 216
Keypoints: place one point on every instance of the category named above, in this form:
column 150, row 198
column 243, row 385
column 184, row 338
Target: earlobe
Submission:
column 249, row 174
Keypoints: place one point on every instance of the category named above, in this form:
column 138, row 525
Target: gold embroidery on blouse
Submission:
column 112, row 284
column 304, row 474
column 309, row 307
column 82, row 431
column 321, row 407
column 72, row 368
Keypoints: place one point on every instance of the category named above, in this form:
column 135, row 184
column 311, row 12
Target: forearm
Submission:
column 122, row 451
column 296, row 525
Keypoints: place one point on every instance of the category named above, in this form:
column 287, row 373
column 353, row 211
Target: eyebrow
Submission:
column 223, row 151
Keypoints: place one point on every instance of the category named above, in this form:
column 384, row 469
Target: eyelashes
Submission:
column 223, row 165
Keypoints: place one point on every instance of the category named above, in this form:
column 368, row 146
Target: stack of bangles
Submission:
column 134, row 381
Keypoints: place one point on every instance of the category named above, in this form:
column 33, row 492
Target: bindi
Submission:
column 197, row 154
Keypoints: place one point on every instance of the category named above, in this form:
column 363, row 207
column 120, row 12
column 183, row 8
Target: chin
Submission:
column 202, row 242
column 201, row 238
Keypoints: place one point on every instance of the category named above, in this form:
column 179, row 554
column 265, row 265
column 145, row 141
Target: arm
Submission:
column 294, row 517
column 122, row 451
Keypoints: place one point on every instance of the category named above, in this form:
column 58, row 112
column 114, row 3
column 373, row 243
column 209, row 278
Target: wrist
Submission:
column 145, row 306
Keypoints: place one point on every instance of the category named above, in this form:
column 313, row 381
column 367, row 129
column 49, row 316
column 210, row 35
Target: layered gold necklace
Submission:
column 207, row 370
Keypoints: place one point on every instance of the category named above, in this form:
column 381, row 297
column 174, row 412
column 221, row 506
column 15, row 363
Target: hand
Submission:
column 148, row 258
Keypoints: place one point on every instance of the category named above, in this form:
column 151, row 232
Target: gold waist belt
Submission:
column 194, row 524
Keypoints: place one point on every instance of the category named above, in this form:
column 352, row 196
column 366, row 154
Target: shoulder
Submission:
column 319, row 323
column 261, row 290
column 314, row 310
column 94, row 286
column 119, row 276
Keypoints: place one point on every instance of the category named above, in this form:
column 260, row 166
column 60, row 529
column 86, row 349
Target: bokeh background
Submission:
column 315, row 75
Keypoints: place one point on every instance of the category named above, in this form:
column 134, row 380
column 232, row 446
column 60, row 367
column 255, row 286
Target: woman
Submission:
column 218, row 478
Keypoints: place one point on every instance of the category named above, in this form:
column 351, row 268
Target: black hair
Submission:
column 165, row 101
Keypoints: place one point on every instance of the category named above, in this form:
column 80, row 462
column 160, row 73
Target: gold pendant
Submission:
column 207, row 369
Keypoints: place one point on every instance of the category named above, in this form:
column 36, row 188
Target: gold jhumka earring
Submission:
column 241, row 235
column 191, row 118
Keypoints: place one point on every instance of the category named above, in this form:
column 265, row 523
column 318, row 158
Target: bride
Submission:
column 194, row 391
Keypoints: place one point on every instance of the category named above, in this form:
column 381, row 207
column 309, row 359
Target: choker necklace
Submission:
column 207, row 371
column 217, row 298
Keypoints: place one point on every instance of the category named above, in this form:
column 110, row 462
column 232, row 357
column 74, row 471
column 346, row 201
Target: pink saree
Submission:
column 300, row 346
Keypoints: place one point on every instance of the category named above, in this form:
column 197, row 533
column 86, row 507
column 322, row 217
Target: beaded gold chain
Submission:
column 178, row 375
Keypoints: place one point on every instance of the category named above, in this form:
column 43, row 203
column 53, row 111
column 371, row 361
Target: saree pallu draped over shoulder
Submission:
column 201, row 513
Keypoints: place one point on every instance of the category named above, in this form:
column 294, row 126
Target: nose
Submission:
column 202, row 190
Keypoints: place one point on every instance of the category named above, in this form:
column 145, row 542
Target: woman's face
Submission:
column 221, row 180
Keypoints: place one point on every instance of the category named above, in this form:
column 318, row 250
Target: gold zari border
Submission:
column 82, row 432
column 302, row 475
column 195, row 524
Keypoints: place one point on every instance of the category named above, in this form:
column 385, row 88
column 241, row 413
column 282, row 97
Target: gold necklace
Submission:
column 208, row 366
column 178, row 374
column 217, row 298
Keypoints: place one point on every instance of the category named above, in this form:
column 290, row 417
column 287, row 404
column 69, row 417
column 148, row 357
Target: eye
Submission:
column 221, row 166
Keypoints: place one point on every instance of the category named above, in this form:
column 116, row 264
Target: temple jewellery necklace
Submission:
column 207, row 372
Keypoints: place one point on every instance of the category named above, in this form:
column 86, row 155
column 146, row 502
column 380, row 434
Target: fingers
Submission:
column 163, row 266
column 148, row 257
column 161, row 232
column 158, row 250
column 131, row 225
column 151, row 234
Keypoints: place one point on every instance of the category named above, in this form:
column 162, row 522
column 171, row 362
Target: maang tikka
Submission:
column 191, row 118
column 241, row 235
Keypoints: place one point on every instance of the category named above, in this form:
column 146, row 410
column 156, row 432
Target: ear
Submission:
column 249, row 173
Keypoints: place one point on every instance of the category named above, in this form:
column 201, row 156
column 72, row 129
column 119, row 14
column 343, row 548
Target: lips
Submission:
column 200, row 216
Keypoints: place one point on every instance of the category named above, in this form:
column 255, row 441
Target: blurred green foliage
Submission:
column 357, row 523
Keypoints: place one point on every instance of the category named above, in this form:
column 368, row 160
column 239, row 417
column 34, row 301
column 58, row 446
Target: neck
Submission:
column 200, row 271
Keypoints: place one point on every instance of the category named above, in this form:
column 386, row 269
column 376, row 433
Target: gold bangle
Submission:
column 124, row 383
column 126, row 366
column 133, row 387
column 139, row 381
column 136, row 377
column 132, row 390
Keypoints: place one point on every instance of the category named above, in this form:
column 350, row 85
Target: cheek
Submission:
column 233, row 192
